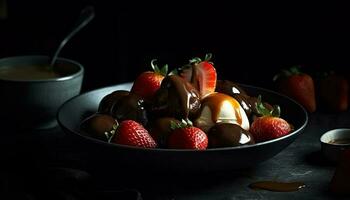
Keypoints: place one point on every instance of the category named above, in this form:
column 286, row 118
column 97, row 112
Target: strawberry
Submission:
column 299, row 86
column 186, row 136
column 332, row 91
column 148, row 82
column 269, row 125
column 201, row 74
column 131, row 133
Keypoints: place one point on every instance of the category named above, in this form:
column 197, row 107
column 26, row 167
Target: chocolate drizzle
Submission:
column 228, row 135
column 176, row 98
column 216, row 102
column 277, row 186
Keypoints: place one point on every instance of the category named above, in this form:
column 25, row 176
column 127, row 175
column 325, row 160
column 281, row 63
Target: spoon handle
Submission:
column 86, row 15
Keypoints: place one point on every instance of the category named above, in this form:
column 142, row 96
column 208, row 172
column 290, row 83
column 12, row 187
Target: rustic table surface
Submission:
column 42, row 164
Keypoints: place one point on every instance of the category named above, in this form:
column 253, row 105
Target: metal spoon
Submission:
column 86, row 15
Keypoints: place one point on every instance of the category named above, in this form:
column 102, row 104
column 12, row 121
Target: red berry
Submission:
column 188, row 138
column 132, row 133
column 333, row 93
column 147, row 83
column 268, row 127
column 202, row 75
column 299, row 86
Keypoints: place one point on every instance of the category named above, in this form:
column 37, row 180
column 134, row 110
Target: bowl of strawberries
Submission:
column 185, row 120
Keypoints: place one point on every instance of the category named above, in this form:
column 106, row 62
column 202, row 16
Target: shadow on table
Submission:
column 316, row 158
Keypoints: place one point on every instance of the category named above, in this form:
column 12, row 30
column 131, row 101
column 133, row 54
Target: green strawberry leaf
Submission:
column 155, row 66
column 195, row 60
column 174, row 72
column 174, row 125
column 276, row 111
column 183, row 124
column 262, row 110
column 294, row 70
column 208, row 56
column 163, row 71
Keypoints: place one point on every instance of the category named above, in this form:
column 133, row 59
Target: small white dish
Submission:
column 334, row 141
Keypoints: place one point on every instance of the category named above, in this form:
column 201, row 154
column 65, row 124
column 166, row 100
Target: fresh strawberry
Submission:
column 299, row 86
column 187, row 137
column 147, row 83
column 201, row 74
column 132, row 133
column 269, row 125
column 332, row 91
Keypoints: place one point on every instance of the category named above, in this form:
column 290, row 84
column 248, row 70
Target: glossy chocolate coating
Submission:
column 232, row 89
column 176, row 98
column 247, row 102
column 229, row 88
column 228, row 135
column 130, row 107
column 160, row 129
column 253, row 102
column 97, row 124
column 277, row 186
column 215, row 102
column 108, row 101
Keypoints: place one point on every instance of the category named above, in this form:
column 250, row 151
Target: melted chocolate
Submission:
column 247, row 102
column 232, row 89
column 130, row 107
column 277, row 186
column 97, row 124
column 215, row 102
column 160, row 129
column 228, row 87
column 108, row 101
column 228, row 135
column 176, row 98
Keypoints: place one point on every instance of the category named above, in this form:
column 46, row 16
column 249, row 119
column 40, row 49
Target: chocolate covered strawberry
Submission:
column 186, row 136
column 147, row 83
column 201, row 73
column 333, row 92
column 269, row 125
column 132, row 133
column 299, row 86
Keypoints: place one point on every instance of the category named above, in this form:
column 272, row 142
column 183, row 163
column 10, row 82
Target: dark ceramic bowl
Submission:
column 32, row 103
column 105, row 154
column 334, row 142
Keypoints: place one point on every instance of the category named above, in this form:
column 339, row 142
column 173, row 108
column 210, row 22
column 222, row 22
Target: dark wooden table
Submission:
column 45, row 164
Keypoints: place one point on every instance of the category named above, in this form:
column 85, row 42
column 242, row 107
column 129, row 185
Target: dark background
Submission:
column 250, row 42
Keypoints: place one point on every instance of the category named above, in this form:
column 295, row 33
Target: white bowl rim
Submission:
column 331, row 134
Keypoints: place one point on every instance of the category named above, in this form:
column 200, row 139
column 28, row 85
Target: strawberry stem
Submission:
column 183, row 124
column 262, row 110
column 197, row 60
column 294, row 70
column 110, row 134
column 174, row 72
column 163, row 71
column 208, row 56
column 276, row 111
column 174, row 125
column 155, row 66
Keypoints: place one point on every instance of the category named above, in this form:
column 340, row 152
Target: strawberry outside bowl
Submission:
column 108, row 156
